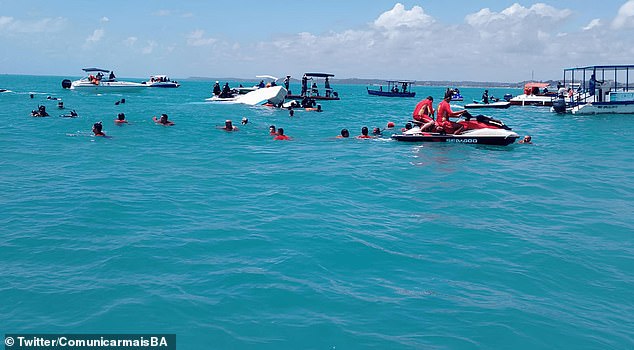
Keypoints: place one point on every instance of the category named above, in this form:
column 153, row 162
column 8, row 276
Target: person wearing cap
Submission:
column 485, row 97
column 280, row 135
column 444, row 112
column 217, row 89
column 229, row 126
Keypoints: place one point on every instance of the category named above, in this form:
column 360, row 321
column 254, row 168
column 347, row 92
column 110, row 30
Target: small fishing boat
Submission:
column 312, row 91
column 393, row 89
column 162, row 81
column 96, row 81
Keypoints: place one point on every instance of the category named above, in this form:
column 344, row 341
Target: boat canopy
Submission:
column 319, row 75
column 535, row 85
column 267, row 77
column 96, row 70
column 618, row 76
column 401, row 81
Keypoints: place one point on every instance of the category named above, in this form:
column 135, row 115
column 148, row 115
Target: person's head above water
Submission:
column 121, row 116
column 163, row 118
column 364, row 131
column 272, row 129
column 376, row 131
column 228, row 124
column 97, row 128
column 245, row 120
column 345, row 133
column 280, row 131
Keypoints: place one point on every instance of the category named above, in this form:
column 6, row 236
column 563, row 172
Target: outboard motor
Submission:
column 508, row 97
column 559, row 105
column 66, row 83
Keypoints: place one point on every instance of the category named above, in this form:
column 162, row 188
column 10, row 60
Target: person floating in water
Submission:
column 120, row 119
column 344, row 134
column 364, row 133
column 72, row 114
column 291, row 112
column 163, row 120
column 229, row 126
column 245, row 120
column 272, row 130
column 527, row 139
column 40, row 112
column 97, row 129
column 60, row 105
column 377, row 132
column 280, row 135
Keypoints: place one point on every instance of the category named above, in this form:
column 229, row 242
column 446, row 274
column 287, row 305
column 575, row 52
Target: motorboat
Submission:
column 97, row 81
column 274, row 95
column 393, row 89
column 480, row 129
column 600, row 90
column 480, row 104
column 310, row 87
column 162, row 81
column 535, row 94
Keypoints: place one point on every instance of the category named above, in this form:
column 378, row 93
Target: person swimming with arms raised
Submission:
column 163, row 120
column 280, row 135
column 120, row 119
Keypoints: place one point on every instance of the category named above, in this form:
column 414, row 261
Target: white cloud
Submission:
column 96, row 35
column 399, row 17
column 151, row 45
column 197, row 38
column 104, row 19
column 10, row 25
column 593, row 24
column 187, row 15
column 130, row 41
column 517, row 14
column 625, row 16
column 162, row 13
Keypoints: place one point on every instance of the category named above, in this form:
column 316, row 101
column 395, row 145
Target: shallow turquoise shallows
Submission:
column 236, row 241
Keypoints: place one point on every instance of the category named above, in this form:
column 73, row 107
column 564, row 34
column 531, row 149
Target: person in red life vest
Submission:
column 364, row 133
column 120, row 119
column 163, row 121
column 444, row 111
column 280, row 135
column 424, row 113
column 272, row 130
column 97, row 129
column 229, row 126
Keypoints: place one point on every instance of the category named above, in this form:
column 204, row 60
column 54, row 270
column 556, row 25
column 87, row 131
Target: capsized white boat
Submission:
column 274, row 95
column 96, row 81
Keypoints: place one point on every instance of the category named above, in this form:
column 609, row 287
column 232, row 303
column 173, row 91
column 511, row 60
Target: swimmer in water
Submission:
column 291, row 112
column 344, row 134
column 229, row 126
column 120, row 119
column 272, row 130
column 527, row 139
column 163, row 120
column 97, row 129
column 364, row 133
column 72, row 114
column 376, row 132
column 280, row 135
column 245, row 120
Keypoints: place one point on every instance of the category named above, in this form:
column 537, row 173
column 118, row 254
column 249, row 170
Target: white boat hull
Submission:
column 86, row 85
column 604, row 108
column 532, row 100
column 274, row 95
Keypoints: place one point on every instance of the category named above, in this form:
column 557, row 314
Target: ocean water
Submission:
column 235, row 241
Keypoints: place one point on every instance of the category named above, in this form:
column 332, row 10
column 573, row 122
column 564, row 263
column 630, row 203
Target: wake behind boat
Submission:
column 96, row 81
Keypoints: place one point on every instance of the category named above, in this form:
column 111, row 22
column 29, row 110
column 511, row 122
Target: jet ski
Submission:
column 479, row 129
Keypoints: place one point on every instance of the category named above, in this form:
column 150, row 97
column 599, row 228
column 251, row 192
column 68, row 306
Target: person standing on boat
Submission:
column 444, row 112
column 304, row 85
column 327, row 87
column 287, row 82
column 593, row 85
column 485, row 97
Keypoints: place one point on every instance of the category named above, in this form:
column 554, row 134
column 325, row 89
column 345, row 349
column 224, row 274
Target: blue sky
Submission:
column 422, row 40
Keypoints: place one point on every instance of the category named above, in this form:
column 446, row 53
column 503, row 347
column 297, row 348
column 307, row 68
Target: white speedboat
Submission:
column 535, row 94
column 162, row 81
column 97, row 81
column 274, row 95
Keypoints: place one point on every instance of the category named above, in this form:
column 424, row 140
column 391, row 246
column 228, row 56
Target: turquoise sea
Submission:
column 235, row 241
